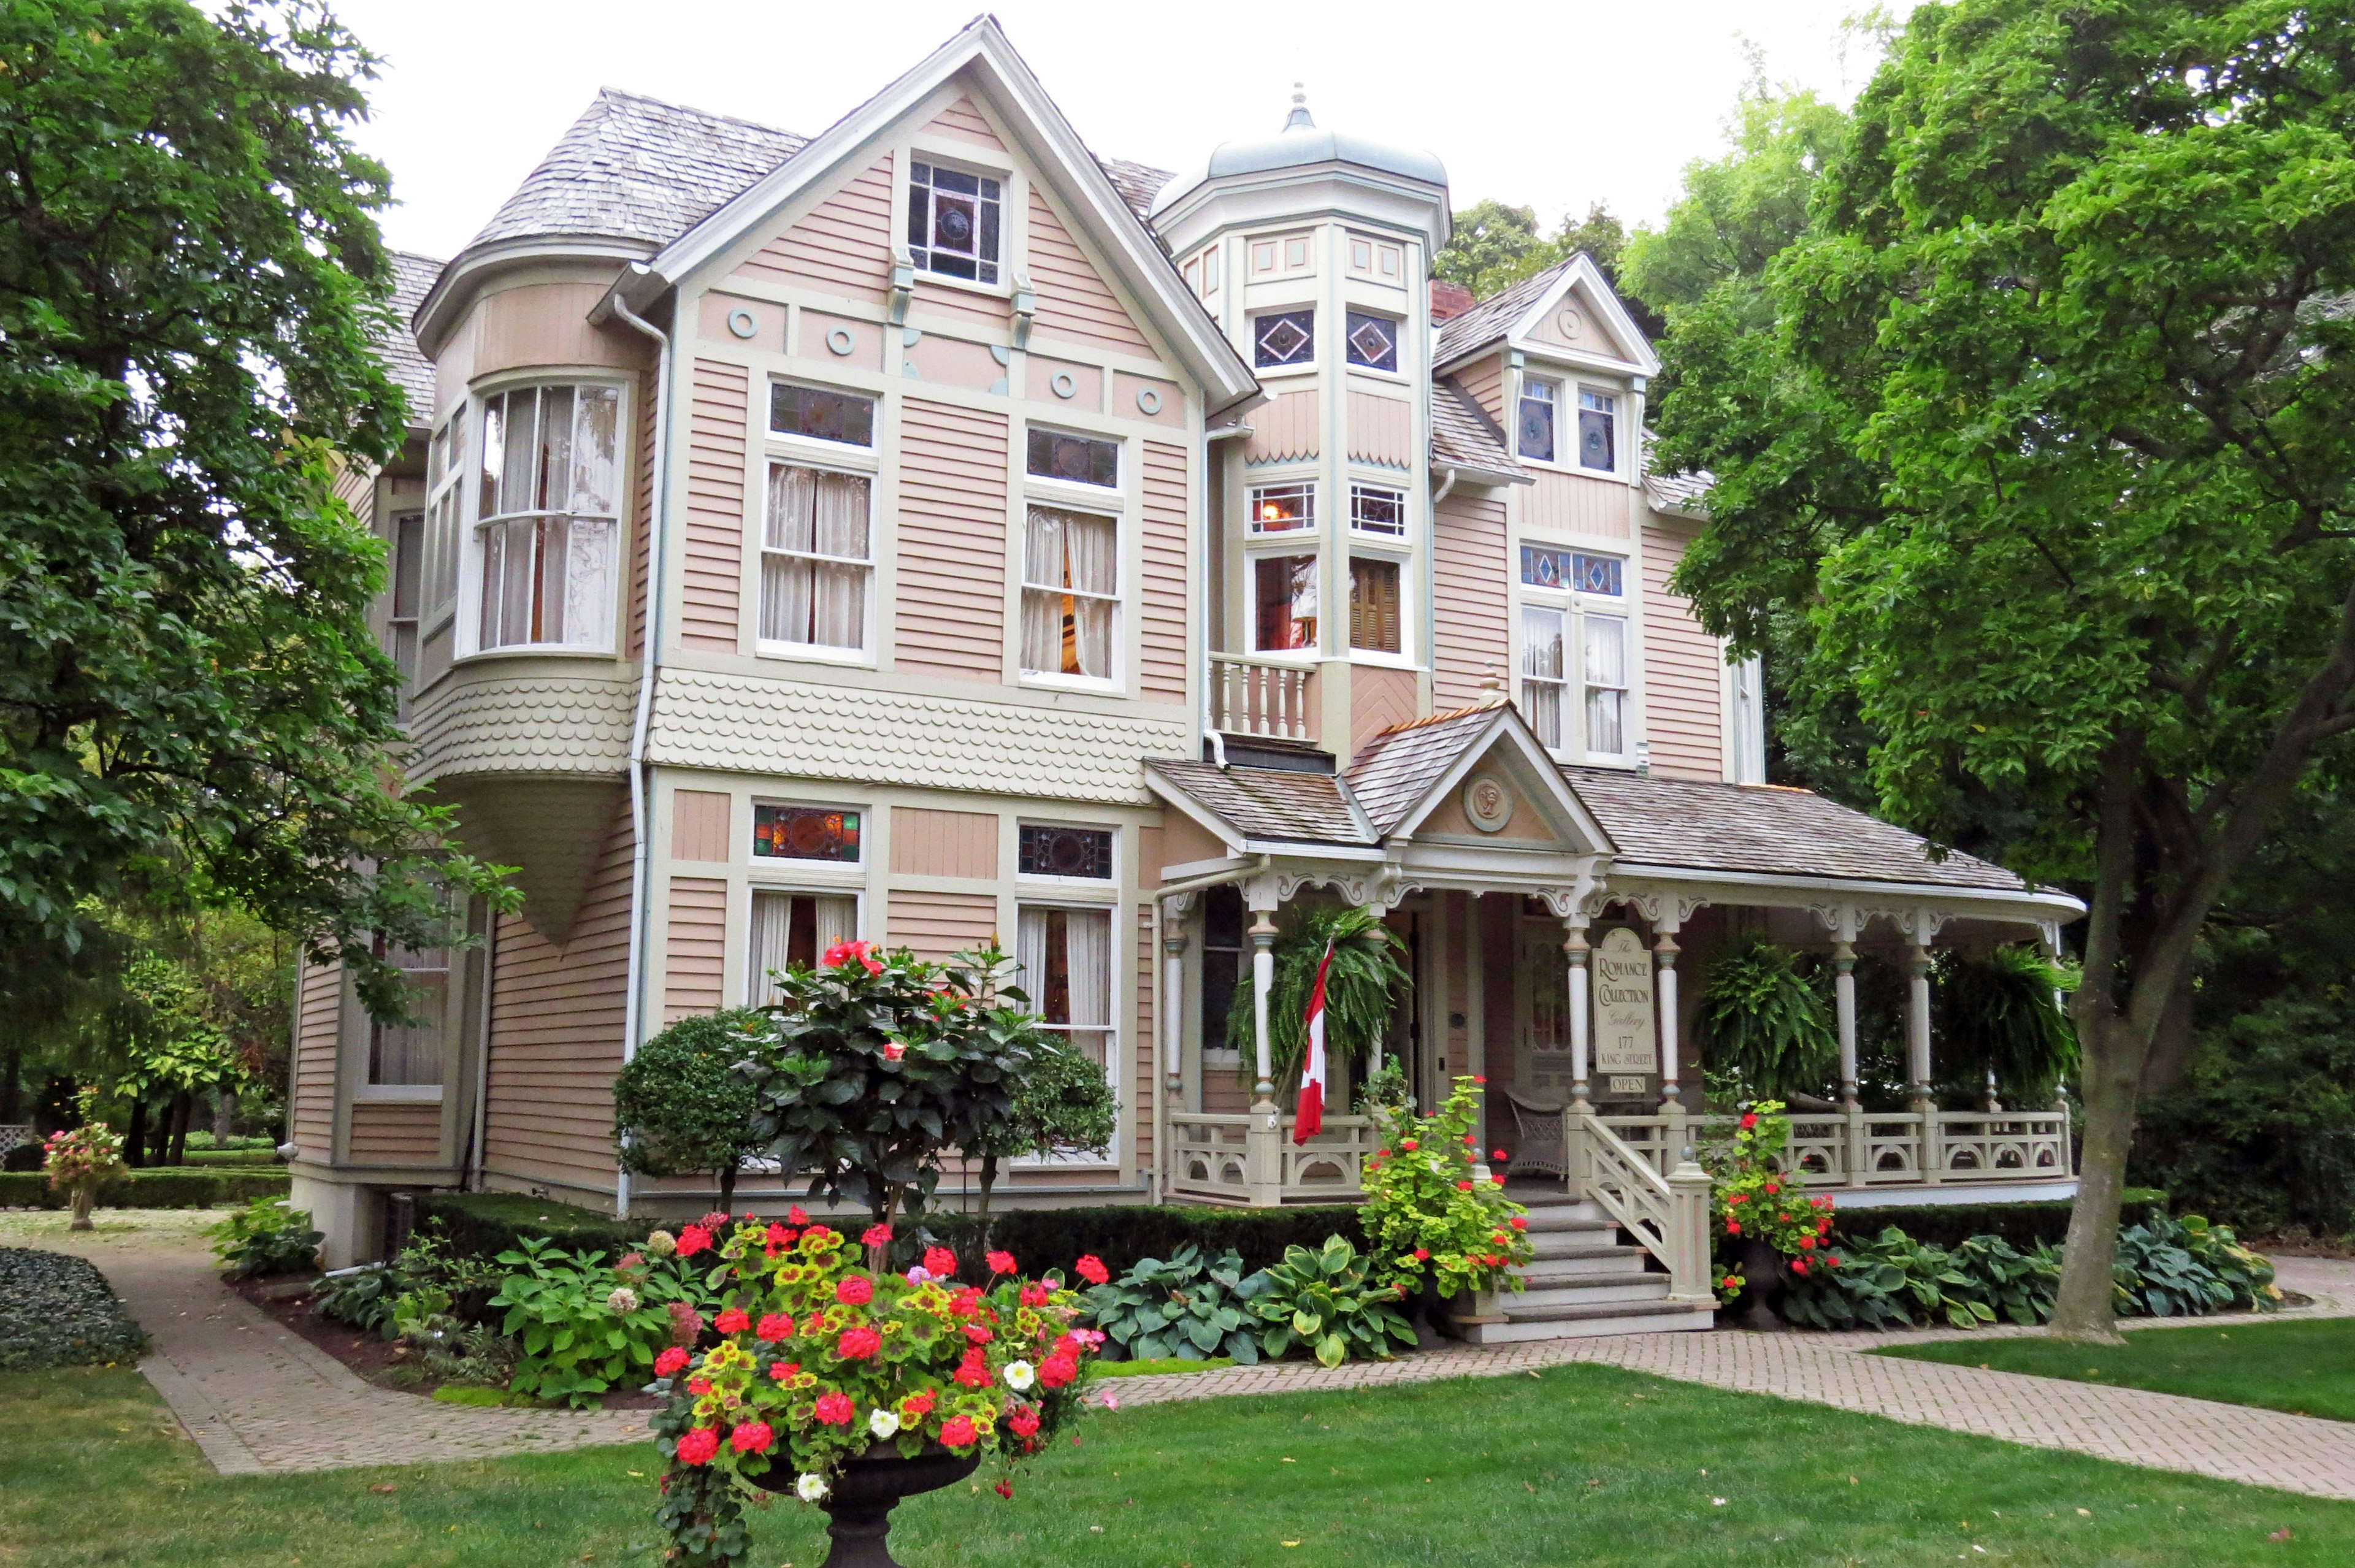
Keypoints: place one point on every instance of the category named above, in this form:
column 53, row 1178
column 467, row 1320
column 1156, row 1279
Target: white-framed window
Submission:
column 1064, row 852
column 792, row 927
column 546, row 515
column 402, row 616
column 1378, row 510
column 821, row 413
column 1535, row 423
column 817, row 567
column 1284, row 603
column 408, row 1055
column 1598, row 432
column 445, row 499
column 822, row 835
column 1544, row 671
column 1372, row 340
column 1071, row 592
column 1574, row 654
column 1283, row 508
column 1070, row 459
column 1065, row 954
column 1284, row 339
column 1604, row 663
column 955, row 220
column 1374, row 618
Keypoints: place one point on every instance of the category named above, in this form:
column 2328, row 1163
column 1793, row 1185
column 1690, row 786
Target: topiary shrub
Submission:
column 679, row 1107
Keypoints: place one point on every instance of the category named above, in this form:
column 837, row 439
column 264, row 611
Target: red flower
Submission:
column 1056, row 1371
column 1423, row 1254
column 939, row 1261
column 774, row 1326
column 1478, row 1079
column 834, row 1409
column 876, row 1236
column 735, row 1320
column 1092, row 1269
column 957, row 1432
column 1774, row 1186
column 856, row 1290
column 965, row 1302
column 999, row 1262
column 1749, row 1121
column 1473, row 1138
column 1822, row 1227
column 857, row 1344
column 698, row 1387
column 1733, row 1198
column 781, row 1370
column 1730, row 1282
column 978, row 1335
column 919, row 1405
column 698, row 1444
column 974, row 1371
column 692, row 1239
column 1499, row 1156
column 752, row 1437
column 1463, row 1187
column 671, row 1363
column 1409, row 1145
column 1520, row 1222
column 796, row 1215
column 893, row 1050
column 1734, row 1227
column 1807, row 1244
column 1798, row 1265
column 1832, row 1259
column 1004, row 1489
column 842, row 953
column 1036, row 1295
column 1024, row 1422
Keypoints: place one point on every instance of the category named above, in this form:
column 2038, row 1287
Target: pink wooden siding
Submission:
column 390, row 1133
column 1473, row 633
column 699, row 822
column 962, row 119
column 943, row 843
column 1072, row 299
column 1572, row 504
column 317, row 1034
column 1485, row 379
column 982, row 310
column 843, row 247
column 1381, row 430
column 1283, row 429
column 556, row 1035
column 1132, row 394
column 1683, row 707
column 716, row 456
column 950, row 618
column 934, row 925
column 1087, row 381
column 1161, row 659
column 953, row 362
column 1378, row 699
column 697, row 948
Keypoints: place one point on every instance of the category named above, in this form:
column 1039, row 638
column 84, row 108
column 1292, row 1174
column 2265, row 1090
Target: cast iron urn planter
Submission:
column 1762, row 1266
column 865, row 1491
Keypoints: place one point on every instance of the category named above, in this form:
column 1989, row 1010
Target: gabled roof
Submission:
column 1403, row 772
column 1493, row 316
column 1270, row 803
column 1515, row 311
column 1463, row 436
column 1137, row 183
column 412, row 279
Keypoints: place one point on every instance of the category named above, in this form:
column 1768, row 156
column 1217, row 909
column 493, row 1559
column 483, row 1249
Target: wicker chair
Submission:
column 1540, row 1147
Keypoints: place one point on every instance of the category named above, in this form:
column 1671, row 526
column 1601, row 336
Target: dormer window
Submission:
column 953, row 222
column 1598, row 420
column 1538, row 400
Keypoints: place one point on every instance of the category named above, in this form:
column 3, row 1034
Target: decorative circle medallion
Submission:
column 1571, row 324
column 840, row 341
column 1064, row 384
column 1488, row 803
column 1148, row 399
column 743, row 322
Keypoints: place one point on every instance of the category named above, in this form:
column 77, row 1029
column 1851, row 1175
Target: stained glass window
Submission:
column 1537, row 418
column 1598, row 446
column 953, row 222
column 1056, row 456
column 1065, row 851
column 1374, row 341
column 822, row 415
column 1283, row 508
column 1286, row 339
column 804, row 833
column 1575, row 569
column 1375, row 510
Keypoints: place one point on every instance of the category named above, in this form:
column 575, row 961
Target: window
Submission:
column 1598, row 446
column 445, row 493
column 1375, row 510
column 1210, row 272
column 821, row 415
column 1542, row 568
column 1225, row 963
column 545, row 516
column 407, row 589
column 1289, row 338
column 814, row 562
column 1606, row 684
column 1374, row 341
column 793, row 928
column 1374, row 605
column 804, row 833
column 1066, row 966
column 1284, row 598
column 1283, row 508
column 1050, row 851
column 1074, row 459
column 1069, row 593
column 953, row 222
column 1542, row 672
column 410, row 1053
column 1537, row 399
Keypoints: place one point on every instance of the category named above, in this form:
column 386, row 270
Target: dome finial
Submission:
column 1299, row 120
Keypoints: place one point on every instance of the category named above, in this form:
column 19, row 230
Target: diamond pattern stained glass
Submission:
column 1373, row 341
column 1286, row 339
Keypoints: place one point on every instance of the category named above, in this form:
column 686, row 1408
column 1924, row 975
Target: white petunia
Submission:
column 884, row 1422
column 811, row 1487
column 623, row 1299
column 1019, row 1375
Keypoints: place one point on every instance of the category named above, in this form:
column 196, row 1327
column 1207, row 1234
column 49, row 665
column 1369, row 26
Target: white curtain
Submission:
column 1042, row 612
column 1030, row 952
column 1541, row 672
column 837, row 920
column 785, row 586
column 815, row 600
column 1089, row 543
column 596, row 432
column 1066, row 555
column 411, row 1053
column 589, row 585
column 1606, row 677
column 773, row 925
column 839, row 618
column 1088, row 948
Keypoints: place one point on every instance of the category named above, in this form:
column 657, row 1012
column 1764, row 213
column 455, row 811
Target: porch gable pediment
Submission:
column 1479, row 776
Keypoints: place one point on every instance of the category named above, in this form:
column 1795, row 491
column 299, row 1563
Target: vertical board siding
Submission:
column 950, row 618
column 1137, row 1095
column 556, row 1015
column 1485, row 379
column 1470, row 601
column 390, row 1132
column 717, row 453
column 1161, row 658
column 696, row 955
column 1571, row 504
column 641, row 511
column 319, row 1012
column 700, row 824
column 1381, row 431
column 1284, row 430
column 1684, row 716
column 943, row 843
column 1072, row 299
column 843, row 247
column 962, row 119
column 935, row 926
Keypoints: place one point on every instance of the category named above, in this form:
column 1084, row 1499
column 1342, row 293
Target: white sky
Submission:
column 1553, row 105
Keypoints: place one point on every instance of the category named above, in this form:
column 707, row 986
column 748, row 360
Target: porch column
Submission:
column 1374, row 1047
column 1574, row 948
column 1663, row 959
column 1844, row 1002
column 1917, row 1022
column 1172, row 997
column 1262, row 935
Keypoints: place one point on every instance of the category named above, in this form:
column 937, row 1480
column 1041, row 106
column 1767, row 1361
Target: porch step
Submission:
column 1660, row 1317
column 1588, row 1290
column 1593, row 1263
column 1562, row 1246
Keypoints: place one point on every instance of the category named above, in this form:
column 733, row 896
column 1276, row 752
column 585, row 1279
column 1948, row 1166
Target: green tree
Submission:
column 2047, row 456
column 680, row 1108
column 1491, row 247
column 1063, row 1103
column 191, row 284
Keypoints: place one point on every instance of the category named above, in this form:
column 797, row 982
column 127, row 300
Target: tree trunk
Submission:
column 2085, row 1308
column 11, row 1079
column 159, row 1135
column 184, row 1108
column 988, row 1181
column 728, row 1186
column 134, row 1140
column 224, row 1116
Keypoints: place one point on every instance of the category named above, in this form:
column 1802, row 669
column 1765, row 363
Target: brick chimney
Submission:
column 1449, row 300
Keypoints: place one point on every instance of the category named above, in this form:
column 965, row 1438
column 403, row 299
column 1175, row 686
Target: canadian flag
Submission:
column 1310, row 1119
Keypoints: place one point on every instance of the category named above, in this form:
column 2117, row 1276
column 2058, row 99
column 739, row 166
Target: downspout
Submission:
column 642, row 845
column 1442, row 492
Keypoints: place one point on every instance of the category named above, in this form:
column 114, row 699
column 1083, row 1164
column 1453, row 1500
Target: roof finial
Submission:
column 1299, row 120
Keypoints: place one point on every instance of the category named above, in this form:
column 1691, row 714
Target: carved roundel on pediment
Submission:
column 1488, row 803
column 1570, row 322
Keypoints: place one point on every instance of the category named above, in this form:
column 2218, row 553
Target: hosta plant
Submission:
column 821, row 1361
column 586, row 1326
column 1185, row 1307
column 1323, row 1299
column 1431, row 1217
column 2172, row 1268
column 268, row 1235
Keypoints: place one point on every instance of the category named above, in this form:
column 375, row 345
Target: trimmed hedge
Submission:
column 58, row 1311
column 171, row 1186
column 485, row 1225
column 1056, row 1238
column 2022, row 1224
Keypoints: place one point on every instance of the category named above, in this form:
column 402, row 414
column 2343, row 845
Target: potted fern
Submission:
column 1765, row 1018
column 1360, row 987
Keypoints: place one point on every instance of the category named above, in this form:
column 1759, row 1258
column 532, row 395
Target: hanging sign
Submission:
column 1626, row 1037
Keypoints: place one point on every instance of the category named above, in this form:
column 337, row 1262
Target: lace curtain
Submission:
column 1070, row 579
column 814, row 562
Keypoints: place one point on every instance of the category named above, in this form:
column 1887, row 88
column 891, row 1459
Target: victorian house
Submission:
column 930, row 530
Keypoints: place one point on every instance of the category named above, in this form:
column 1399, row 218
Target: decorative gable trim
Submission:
column 1585, row 279
column 1541, row 773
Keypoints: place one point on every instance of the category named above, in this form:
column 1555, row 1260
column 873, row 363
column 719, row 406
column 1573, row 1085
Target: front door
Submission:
column 1541, row 1062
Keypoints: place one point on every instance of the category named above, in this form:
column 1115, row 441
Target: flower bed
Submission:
column 58, row 1311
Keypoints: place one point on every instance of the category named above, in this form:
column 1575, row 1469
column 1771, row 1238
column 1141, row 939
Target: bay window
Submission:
column 1378, row 509
column 1598, row 436
column 1283, row 508
column 1537, row 416
column 1284, row 593
column 408, row 590
column 408, row 1055
column 546, row 517
column 793, row 928
column 1374, row 605
column 817, row 560
column 1071, row 592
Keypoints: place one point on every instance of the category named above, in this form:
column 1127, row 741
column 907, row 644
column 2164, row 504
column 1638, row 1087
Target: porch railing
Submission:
column 1868, row 1148
column 1666, row 1213
column 1241, row 1158
column 1264, row 697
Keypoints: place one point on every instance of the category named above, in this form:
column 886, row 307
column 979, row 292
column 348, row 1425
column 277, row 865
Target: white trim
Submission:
column 396, row 1094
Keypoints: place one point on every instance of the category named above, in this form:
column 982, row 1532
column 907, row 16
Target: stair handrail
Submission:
column 1668, row 1215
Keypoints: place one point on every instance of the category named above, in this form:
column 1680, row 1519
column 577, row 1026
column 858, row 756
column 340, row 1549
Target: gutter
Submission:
column 482, row 1053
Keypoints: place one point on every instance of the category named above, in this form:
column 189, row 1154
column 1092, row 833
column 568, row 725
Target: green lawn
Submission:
column 1584, row 1465
column 2308, row 1368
